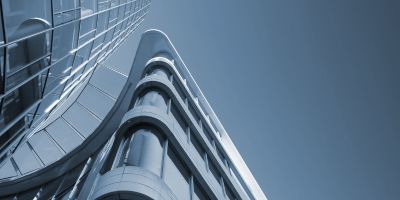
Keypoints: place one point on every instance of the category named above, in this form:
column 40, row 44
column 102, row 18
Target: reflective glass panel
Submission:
column 23, row 17
column 65, row 11
column 88, row 7
column 82, row 55
column 64, row 40
column 103, row 4
column 20, row 99
column 58, row 72
column 27, row 57
column 177, row 176
column 87, row 29
column 102, row 22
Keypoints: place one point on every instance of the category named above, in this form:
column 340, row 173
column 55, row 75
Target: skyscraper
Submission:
column 169, row 144
column 77, row 128
column 48, row 49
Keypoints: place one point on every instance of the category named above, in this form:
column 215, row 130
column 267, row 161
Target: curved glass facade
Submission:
column 47, row 47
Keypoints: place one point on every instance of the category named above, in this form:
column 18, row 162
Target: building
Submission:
column 169, row 144
column 109, row 132
column 48, row 46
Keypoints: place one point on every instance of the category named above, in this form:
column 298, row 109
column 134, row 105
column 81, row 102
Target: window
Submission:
column 81, row 56
column 21, row 99
column 87, row 29
column 90, row 65
column 178, row 118
column 57, row 73
column 64, row 40
column 199, row 149
column 88, row 7
column 121, row 12
column 215, row 174
column 194, row 113
column 103, row 4
column 178, row 88
column 220, row 155
column 22, row 18
column 199, row 193
column 102, row 22
column 44, row 106
column 9, row 135
column 65, row 11
column 229, row 193
column 177, row 176
column 207, row 134
column 27, row 57
column 98, row 43
column 113, row 17
column 114, row 3
column 109, row 36
column 117, row 30
column 26, row 73
column 128, row 9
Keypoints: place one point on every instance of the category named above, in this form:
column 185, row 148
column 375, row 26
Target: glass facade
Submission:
column 46, row 46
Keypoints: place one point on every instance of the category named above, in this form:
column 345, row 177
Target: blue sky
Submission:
column 307, row 89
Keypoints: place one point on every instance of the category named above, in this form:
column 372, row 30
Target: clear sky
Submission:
column 309, row 90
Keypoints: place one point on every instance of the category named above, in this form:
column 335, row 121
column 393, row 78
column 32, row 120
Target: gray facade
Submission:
column 109, row 132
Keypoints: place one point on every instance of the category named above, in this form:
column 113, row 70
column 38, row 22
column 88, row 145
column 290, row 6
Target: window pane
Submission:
column 113, row 17
column 114, row 3
column 65, row 11
column 117, row 29
column 64, row 40
column 22, row 17
column 103, row 4
column 215, row 174
column 102, row 22
column 229, row 193
column 88, row 7
column 22, row 54
column 178, row 118
column 63, row 5
column 87, row 29
column 199, row 149
column 44, row 106
column 121, row 13
column 109, row 36
column 176, row 176
column 199, row 193
column 24, row 74
column 98, row 44
column 90, row 64
column 57, row 74
column 27, row 51
column 82, row 55
column 19, row 100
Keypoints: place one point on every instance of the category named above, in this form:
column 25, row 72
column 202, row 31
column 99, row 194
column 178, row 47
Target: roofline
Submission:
column 225, row 140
